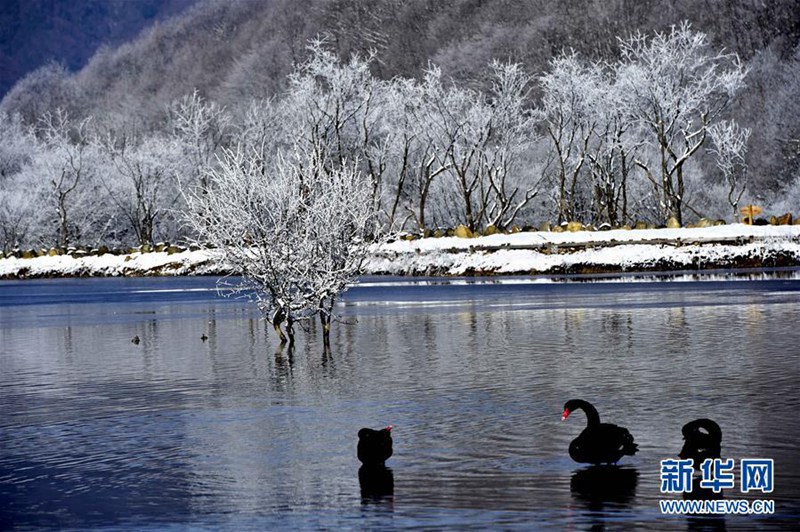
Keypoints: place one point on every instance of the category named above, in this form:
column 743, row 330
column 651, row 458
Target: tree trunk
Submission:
column 63, row 219
column 325, row 321
column 278, row 318
column 679, row 196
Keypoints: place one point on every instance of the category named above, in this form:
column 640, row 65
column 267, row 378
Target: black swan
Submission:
column 702, row 439
column 374, row 446
column 599, row 443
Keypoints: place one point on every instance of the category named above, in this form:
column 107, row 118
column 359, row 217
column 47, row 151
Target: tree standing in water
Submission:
column 297, row 231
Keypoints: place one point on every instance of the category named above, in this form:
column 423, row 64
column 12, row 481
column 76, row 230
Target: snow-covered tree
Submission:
column 297, row 234
column 202, row 127
column 677, row 87
column 479, row 140
column 513, row 178
column 18, row 147
column 572, row 93
column 141, row 180
column 336, row 106
column 64, row 177
column 729, row 148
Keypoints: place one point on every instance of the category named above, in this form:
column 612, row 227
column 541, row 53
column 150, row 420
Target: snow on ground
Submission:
column 629, row 257
column 530, row 252
column 136, row 264
column 585, row 251
column 543, row 238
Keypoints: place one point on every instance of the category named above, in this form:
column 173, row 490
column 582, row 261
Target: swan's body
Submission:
column 702, row 440
column 374, row 446
column 599, row 443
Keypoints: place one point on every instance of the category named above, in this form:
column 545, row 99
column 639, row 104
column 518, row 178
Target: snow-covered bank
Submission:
column 728, row 246
column 202, row 262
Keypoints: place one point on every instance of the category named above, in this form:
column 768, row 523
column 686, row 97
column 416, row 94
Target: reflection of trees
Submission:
column 105, row 451
column 678, row 329
column 148, row 332
column 619, row 328
column 284, row 367
column 571, row 322
column 68, row 348
column 428, row 332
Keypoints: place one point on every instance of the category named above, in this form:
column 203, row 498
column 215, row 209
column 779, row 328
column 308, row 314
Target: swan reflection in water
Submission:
column 377, row 484
column 702, row 441
column 603, row 490
column 599, row 485
column 695, row 522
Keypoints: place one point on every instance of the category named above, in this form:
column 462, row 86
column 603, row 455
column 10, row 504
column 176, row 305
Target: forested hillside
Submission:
column 36, row 32
column 249, row 62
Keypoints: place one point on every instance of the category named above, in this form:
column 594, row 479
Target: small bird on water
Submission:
column 135, row 340
column 204, row 337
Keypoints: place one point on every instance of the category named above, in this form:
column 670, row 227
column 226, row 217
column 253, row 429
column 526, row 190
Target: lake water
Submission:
column 232, row 432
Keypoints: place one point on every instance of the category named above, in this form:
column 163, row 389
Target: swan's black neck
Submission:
column 592, row 417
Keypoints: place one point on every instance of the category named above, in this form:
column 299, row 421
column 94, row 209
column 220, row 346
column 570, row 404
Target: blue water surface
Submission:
column 235, row 432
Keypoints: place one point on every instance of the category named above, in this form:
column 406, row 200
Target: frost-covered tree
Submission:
column 612, row 149
column 18, row 147
column 336, row 106
column 42, row 91
column 16, row 213
column 480, row 140
column 64, row 176
column 462, row 125
column 572, row 93
column 513, row 178
column 677, row 87
column 297, row 233
column 202, row 127
column 410, row 144
column 141, row 180
column 261, row 128
column 729, row 149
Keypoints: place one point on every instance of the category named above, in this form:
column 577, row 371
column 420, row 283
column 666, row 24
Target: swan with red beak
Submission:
column 599, row 443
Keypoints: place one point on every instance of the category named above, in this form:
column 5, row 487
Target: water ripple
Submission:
column 234, row 432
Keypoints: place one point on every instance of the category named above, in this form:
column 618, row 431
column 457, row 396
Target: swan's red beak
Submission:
column 565, row 415
column 389, row 428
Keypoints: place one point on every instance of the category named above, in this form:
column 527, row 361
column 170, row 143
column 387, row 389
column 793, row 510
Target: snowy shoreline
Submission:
column 537, row 253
